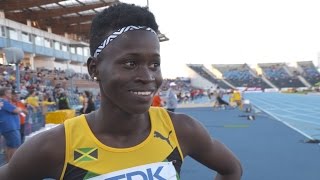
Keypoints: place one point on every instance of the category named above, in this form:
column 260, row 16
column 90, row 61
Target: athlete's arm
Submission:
column 40, row 157
column 196, row 142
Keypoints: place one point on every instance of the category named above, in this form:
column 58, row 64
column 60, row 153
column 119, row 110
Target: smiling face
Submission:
column 128, row 70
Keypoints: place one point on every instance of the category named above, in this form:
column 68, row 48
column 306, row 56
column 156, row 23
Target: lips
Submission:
column 141, row 93
column 144, row 95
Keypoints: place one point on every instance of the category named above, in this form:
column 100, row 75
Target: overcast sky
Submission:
column 236, row 31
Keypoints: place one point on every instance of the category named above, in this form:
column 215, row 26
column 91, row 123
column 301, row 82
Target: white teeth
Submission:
column 142, row 93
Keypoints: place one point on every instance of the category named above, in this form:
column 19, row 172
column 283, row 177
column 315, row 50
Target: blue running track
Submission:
column 299, row 111
column 267, row 148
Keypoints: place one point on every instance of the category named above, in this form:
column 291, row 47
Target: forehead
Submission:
column 137, row 42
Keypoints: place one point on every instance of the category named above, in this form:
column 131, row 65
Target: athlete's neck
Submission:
column 119, row 123
column 119, row 133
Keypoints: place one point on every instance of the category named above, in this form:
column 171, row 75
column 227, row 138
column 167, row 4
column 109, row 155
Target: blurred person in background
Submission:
column 157, row 101
column 63, row 102
column 9, row 122
column 33, row 101
column 171, row 98
column 46, row 103
column 81, row 98
column 88, row 104
column 236, row 98
column 219, row 102
column 15, row 100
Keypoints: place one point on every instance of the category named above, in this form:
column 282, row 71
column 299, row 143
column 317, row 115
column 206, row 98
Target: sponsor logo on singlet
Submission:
column 160, row 136
column 154, row 171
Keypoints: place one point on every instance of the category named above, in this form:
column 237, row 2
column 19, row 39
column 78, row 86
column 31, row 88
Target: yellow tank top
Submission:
column 237, row 96
column 158, row 157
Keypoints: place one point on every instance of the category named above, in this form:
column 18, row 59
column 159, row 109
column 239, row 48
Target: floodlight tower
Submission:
column 14, row 55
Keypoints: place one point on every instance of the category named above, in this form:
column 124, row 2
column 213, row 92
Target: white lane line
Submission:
column 295, row 111
column 278, row 119
column 297, row 119
column 284, row 111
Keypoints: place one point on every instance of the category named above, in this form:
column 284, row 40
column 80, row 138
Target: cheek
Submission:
column 159, row 80
column 112, row 80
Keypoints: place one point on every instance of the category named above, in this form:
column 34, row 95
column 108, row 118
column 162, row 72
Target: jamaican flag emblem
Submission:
column 85, row 154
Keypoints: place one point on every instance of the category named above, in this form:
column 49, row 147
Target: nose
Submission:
column 145, row 74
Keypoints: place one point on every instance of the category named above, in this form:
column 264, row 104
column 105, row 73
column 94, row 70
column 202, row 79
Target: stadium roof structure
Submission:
column 60, row 16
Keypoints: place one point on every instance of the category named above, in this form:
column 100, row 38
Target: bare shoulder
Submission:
column 183, row 123
column 51, row 141
column 39, row 157
column 189, row 131
column 195, row 141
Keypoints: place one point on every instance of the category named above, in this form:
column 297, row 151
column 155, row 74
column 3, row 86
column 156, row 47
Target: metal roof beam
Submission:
column 9, row 5
column 34, row 15
column 80, row 28
column 66, row 20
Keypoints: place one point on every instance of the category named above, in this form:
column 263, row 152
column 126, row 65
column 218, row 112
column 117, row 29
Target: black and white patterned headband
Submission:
column 117, row 33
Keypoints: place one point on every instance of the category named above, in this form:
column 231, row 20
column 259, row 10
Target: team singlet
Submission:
column 158, row 157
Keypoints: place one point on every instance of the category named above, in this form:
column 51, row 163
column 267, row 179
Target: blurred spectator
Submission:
column 33, row 101
column 81, row 98
column 15, row 100
column 63, row 102
column 171, row 98
column 9, row 122
column 157, row 101
column 46, row 102
column 76, row 91
column 88, row 104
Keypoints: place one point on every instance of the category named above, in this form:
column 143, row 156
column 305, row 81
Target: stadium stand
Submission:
column 241, row 75
column 280, row 76
column 200, row 69
column 271, row 75
column 308, row 71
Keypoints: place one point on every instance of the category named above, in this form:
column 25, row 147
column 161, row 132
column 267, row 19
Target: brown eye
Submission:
column 155, row 65
column 130, row 64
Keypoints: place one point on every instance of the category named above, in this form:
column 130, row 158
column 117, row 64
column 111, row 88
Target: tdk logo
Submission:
column 148, row 174
column 153, row 171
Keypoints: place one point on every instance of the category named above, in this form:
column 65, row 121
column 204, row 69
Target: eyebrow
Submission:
column 139, row 54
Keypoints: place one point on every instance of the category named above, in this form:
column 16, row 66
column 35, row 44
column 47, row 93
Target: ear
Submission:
column 92, row 67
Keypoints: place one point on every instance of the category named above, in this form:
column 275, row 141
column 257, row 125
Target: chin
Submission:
column 139, row 109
